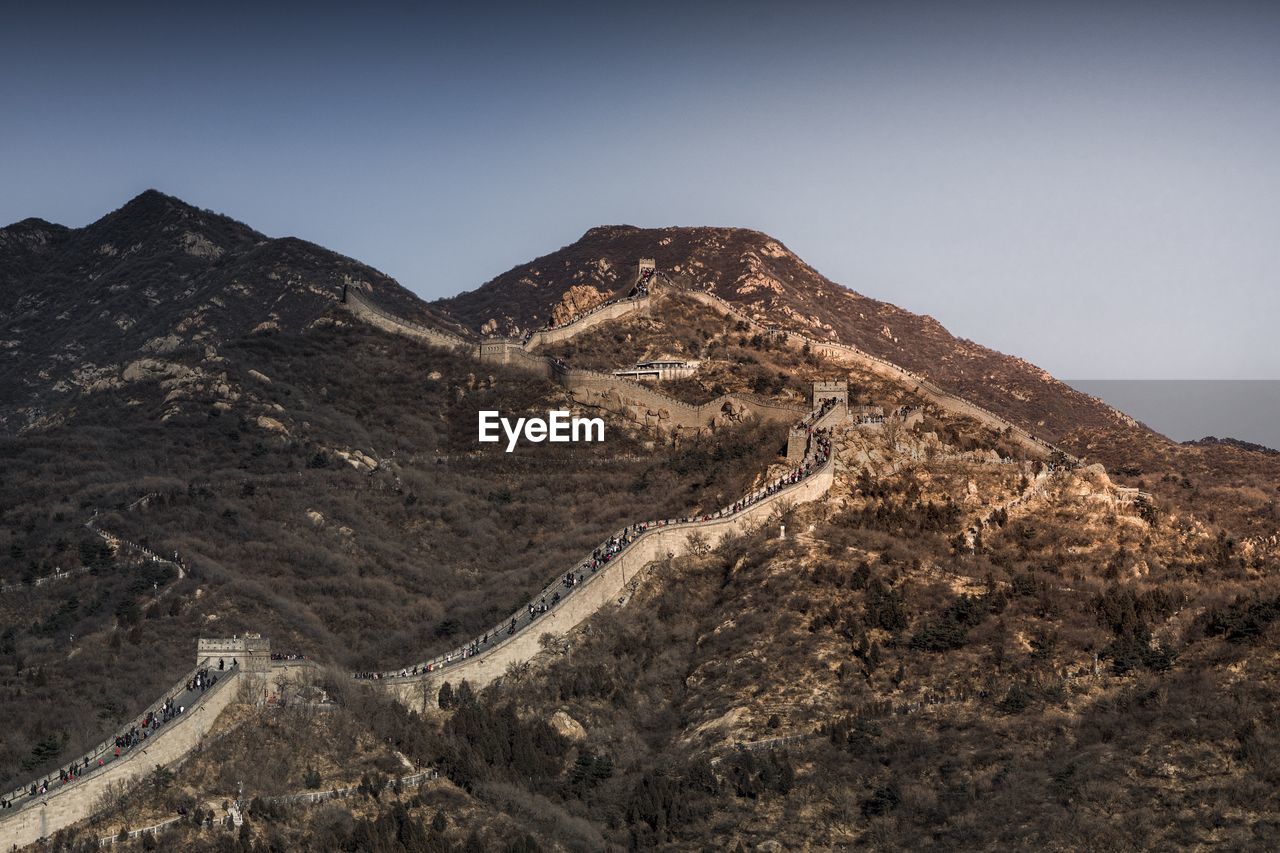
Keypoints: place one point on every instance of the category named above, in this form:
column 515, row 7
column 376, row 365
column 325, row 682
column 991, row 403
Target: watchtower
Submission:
column 645, row 270
column 251, row 652
column 837, row 389
column 495, row 350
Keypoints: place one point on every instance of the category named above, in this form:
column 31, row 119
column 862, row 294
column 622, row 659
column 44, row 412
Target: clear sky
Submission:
column 1094, row 188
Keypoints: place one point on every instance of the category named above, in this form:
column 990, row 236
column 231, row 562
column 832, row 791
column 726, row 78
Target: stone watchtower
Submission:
column 645, row 270
column 250, row 652
column 798, row 437
column 837, row 389
column 495, row 351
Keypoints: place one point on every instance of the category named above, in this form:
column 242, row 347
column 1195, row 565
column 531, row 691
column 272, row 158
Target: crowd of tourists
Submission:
column 146, row 727
column 820, row 412
column 817, row 454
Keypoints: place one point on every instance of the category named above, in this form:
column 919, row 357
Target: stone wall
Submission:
column 837, row 389
column 107, row 746
column 524, row 360
column 653, row 408
column 601, row 314
column 606, row 587
column 360, row 305
column 633, row 400
column 797, row 444
column 252, row 654
column 71, row 803
column 255, row 677
column 506, row 352
column 852, row 356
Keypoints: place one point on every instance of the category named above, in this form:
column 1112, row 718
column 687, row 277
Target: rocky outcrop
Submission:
column 576, row 300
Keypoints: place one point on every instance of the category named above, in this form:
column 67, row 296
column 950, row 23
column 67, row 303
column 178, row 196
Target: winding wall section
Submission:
column 40, row 816
column 633, row 400
column 605, row 587
column 851, row 355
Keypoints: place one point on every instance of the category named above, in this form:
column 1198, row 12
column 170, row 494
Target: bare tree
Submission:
column 892, row 431
column 697, row 543
column 282, row 690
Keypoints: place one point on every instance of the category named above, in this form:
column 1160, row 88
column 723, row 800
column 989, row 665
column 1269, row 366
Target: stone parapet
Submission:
column 605, row 587
column 71, row 803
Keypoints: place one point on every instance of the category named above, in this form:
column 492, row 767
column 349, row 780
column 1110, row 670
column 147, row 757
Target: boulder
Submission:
column 567, row 726
column 271, row 425
column 578, row 299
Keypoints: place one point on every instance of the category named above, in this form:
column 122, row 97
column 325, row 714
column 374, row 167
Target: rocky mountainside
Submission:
column 190, row 385
column 955, row 646
column 78, row 305
column 762, row 276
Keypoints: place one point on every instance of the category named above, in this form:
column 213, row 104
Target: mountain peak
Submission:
column 729, row 261
column 606, row 231
column 153, row 276
column 158, row 223
column 33, row 232
column 765, row 280
column 153, row 197
column 152, row 205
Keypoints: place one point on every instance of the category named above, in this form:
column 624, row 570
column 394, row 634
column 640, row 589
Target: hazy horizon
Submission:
column 1189, row 410
column 1092, row 188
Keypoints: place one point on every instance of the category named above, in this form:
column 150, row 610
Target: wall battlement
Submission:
column 837, row 390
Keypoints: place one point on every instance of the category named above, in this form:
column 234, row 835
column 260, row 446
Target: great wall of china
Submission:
column 682, row 415
column 253, row 673
column 632, row 400
column 852, row 356
column 34, row 817
column 418, row 686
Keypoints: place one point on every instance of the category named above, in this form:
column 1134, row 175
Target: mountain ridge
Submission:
column 761, row 276
column 128, row 266
column 320, row 482
column 78, row 305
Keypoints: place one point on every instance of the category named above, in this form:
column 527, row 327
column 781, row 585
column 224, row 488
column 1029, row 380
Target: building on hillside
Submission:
column 660, row 370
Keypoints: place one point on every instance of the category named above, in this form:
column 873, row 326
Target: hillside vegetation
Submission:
column 77, row 305
column 1091, row 674
column 325, row 489
column 764, row 278
column 957, row 646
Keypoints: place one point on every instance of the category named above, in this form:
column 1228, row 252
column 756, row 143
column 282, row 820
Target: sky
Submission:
column 1186, row 410
column 1091, row 187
